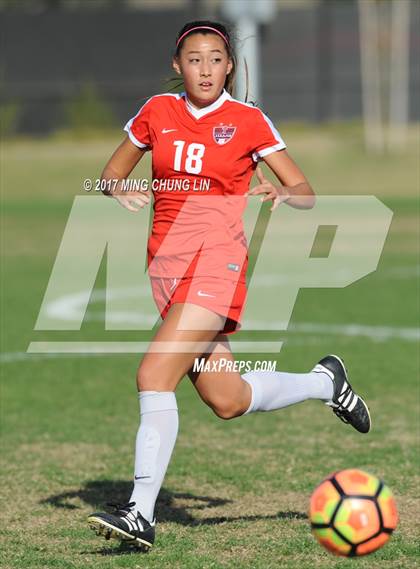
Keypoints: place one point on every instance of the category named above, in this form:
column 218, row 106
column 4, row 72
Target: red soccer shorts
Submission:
column 223, row 296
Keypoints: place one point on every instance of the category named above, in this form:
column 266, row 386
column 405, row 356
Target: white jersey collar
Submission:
column 198, row 113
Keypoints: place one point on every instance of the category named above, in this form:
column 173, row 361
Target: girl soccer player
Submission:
column 197, row 256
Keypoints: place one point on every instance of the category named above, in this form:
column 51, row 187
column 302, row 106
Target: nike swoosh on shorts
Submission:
column 201, row 293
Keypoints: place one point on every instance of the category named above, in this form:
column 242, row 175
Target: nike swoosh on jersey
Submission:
column 166, row 130
column 201, row 293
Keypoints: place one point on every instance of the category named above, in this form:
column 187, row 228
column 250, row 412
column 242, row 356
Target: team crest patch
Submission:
column 222, row 134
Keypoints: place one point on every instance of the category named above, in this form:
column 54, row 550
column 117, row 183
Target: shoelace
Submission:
column 340, row 415
column 121, row 509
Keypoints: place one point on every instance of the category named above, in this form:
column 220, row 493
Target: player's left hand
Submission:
column 278, row 194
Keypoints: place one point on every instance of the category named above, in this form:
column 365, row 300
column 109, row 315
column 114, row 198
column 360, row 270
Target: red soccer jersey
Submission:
column 202, row 162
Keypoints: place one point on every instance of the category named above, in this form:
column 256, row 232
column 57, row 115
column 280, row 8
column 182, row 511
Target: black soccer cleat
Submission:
column 124, row 524
column 345, row 403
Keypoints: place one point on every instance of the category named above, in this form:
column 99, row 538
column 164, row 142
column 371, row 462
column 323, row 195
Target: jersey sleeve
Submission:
column 138, row 128
column 265, row 138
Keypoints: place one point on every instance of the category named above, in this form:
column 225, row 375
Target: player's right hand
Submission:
column 130, row 200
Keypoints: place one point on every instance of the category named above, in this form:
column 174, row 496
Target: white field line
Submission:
column 375, row 333
column 71, row 307
column 67, row 309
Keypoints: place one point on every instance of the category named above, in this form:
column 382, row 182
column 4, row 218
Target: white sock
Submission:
column 155, row 442
column 275, row 389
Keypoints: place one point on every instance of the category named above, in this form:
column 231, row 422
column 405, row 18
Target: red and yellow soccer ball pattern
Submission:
column 352, row 513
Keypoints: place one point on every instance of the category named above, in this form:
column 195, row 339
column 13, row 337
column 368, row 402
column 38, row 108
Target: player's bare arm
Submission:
column 118, row 167
column 295, row 189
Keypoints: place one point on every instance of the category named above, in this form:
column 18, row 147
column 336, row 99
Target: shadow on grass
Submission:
column 96, row 493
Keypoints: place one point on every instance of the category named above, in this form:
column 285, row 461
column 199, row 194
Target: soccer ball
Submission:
column 352, row 513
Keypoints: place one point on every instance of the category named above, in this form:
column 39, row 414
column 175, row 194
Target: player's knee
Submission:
column 227, row 409
column 141, row 380
column 147, row 380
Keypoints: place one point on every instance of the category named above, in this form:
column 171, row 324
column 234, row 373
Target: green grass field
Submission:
column 236, row 493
